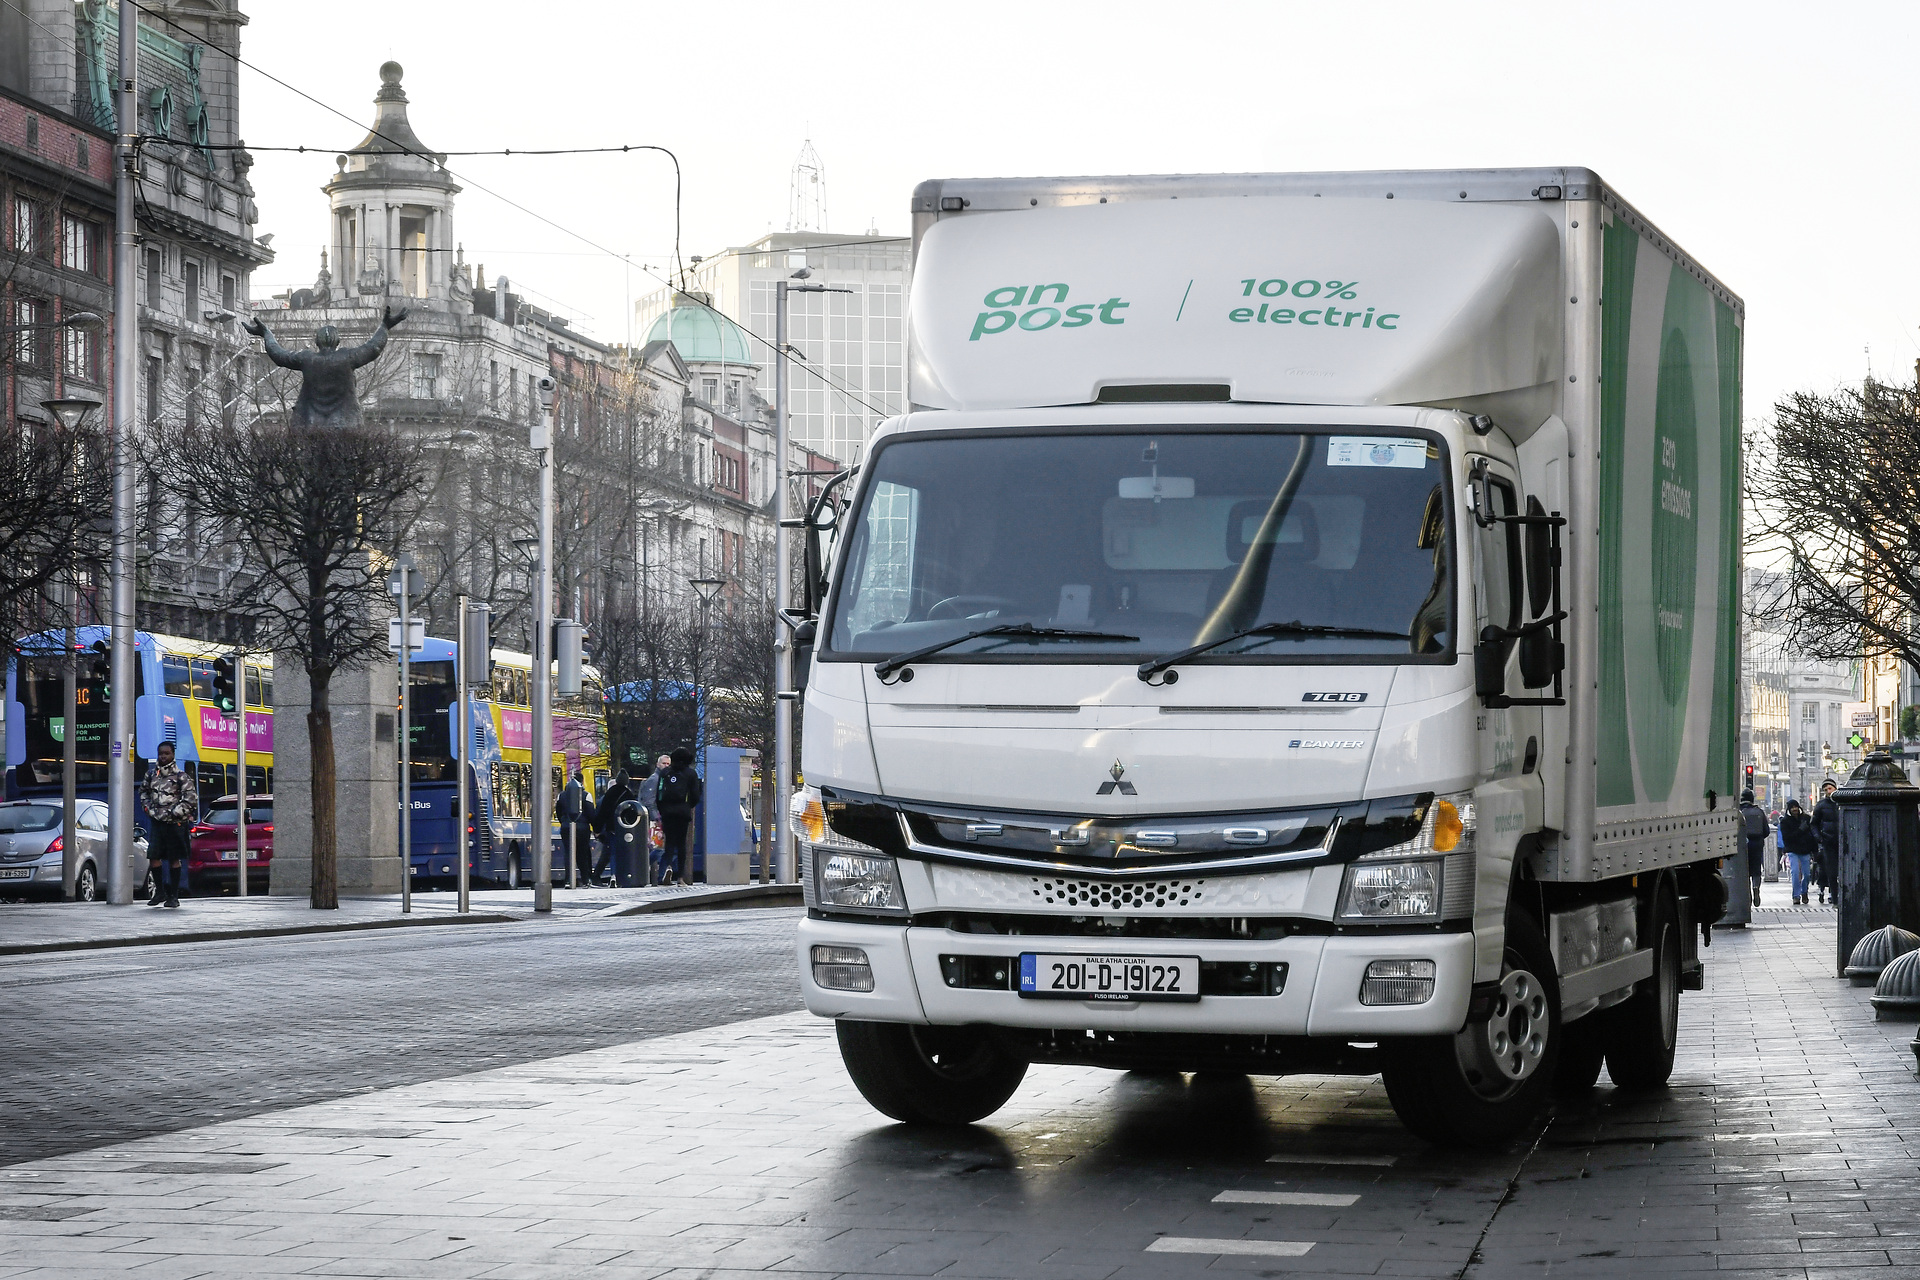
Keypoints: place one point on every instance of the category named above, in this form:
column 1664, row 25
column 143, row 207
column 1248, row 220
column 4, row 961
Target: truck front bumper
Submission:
column 1321, row 996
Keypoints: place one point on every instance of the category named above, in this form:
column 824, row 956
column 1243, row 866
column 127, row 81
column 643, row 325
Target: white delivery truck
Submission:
column 1293, row 630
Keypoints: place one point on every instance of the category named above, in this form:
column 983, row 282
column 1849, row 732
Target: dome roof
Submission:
column 701, row 335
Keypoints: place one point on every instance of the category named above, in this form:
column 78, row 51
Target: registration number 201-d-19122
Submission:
column 1066, row 977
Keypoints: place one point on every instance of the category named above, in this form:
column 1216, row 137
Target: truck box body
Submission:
column 1319, row 588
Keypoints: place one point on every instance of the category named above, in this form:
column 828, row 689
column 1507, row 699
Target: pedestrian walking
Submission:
column 173, row 803
column 1754, row 823
column 1796, row 833
column 606, row 823
column 679, row 794
column 1826, row 827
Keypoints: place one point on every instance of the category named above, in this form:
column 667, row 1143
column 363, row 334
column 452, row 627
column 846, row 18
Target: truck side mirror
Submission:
column 803, row 637
column 1541, row 659
column 1490, row 664
column 1542, row 562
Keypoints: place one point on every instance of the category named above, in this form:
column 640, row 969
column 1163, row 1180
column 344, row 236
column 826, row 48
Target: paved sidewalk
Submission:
column 28, row 927
column 1787, row 1146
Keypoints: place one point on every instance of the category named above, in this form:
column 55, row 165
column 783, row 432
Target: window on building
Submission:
column 493, row 383
column 193, row 376
column 190, row 277
column 26, row 228
column 155, row 269
column 33, row 132
column 30, row 340
column 156, row 371
column 80, row 353
column 228, row 286
column 76, row 244
column 426, row 375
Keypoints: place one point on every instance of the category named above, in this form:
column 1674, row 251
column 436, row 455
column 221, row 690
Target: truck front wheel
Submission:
column 1480, row 1087
column 928, row 1075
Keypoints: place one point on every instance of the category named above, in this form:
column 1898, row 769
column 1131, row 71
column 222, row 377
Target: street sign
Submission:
column 1865, row 719
column 416, row 635
column 416, row 583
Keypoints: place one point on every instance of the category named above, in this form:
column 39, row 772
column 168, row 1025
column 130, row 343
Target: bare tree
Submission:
column 1834, row 501
column 308, row 510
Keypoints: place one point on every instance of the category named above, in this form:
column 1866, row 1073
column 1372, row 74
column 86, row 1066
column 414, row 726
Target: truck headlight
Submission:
column 857, row 882
column 1391, row 891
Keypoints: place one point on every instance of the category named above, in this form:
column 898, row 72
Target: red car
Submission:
column 213, row 846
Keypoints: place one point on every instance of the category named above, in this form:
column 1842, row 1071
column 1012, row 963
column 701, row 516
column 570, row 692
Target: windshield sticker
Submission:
column 1359, row 451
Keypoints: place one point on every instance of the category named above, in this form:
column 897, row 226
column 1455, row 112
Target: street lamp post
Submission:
column 126, row 373
column 707, row 588
column 540, row 824
column 70, row 412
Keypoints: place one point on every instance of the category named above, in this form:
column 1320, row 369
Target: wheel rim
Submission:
column 83, row 885
column 1499, row 1055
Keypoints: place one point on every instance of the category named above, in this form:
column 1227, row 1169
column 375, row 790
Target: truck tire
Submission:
column 928, row 1075
column 1583, row 1050
column 1643, row 1029
column 1490, row 1081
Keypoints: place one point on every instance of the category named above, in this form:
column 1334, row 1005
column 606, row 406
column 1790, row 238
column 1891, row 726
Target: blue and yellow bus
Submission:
column 500, row 793
column 173, row 702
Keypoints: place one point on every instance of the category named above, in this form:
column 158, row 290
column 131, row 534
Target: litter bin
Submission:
column 1879, row 873
column 630, row 863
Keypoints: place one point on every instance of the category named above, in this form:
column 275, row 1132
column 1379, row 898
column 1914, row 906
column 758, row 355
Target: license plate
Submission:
column 229, row 855
column 17, row 873
column 1064, row 977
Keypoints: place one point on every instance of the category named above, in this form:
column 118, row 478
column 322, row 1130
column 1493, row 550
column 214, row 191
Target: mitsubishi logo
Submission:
column 1119, row 783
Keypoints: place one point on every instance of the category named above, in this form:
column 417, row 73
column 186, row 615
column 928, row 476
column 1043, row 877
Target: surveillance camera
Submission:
column 217, row 317
column 546, row 384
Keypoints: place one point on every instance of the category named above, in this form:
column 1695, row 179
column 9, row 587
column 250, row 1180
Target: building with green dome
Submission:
column 717, row 352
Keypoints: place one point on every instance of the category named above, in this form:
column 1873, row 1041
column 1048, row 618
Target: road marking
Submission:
column 1248, row 1248
column 1289, row 1157
column 1285, row 1197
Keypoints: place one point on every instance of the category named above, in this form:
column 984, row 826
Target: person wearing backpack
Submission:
column 679, row 794
column 1754, row 821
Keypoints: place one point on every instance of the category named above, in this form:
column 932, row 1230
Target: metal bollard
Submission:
column 573, row 867
column 1878, row 878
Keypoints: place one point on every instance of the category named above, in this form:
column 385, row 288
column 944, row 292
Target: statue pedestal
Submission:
column 366, row 781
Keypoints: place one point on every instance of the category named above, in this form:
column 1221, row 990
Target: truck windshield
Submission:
column 1177, row 537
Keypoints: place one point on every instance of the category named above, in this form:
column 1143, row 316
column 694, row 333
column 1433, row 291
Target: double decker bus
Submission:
column 173, row 702
column 500, row 788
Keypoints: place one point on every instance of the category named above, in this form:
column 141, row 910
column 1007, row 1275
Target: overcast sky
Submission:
column 1771, row 140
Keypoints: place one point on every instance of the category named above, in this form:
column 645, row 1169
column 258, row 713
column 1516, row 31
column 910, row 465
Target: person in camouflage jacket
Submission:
column 173, row 804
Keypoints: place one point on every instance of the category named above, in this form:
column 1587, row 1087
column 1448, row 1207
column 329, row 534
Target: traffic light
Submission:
column 99, row 659
column 1749, row 777
column 224, row 691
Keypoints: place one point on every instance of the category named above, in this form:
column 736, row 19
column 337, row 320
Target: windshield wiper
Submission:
column 1272, row 630
column 1023, row 629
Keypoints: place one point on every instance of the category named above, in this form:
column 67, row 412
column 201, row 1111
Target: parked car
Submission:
column 213, row 846
column 32, row 849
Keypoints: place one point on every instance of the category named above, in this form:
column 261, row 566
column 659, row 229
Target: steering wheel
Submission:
column 967, row 606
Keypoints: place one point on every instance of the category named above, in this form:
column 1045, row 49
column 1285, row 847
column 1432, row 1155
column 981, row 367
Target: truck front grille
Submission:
column 1060, row 892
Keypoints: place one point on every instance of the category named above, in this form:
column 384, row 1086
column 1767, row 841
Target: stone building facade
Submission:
column 58, row 63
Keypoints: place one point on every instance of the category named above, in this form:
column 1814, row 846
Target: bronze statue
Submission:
column 327, row 397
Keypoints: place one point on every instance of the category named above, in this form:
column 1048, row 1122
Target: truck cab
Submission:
column 1162, row 713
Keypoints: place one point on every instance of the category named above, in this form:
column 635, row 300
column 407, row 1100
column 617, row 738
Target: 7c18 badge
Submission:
column 1333, row 697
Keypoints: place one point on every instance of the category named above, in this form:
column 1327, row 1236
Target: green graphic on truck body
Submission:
column 1669, row 481
column 1037, row 316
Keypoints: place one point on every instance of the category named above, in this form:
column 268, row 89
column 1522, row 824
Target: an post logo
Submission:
column 1045, row 305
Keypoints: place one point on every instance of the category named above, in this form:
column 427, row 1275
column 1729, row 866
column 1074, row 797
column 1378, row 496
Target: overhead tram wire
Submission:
column 402, row 148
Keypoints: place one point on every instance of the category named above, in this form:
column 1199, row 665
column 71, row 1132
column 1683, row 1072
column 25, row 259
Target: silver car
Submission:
column 31, row 849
